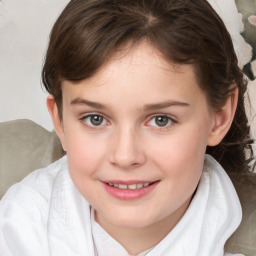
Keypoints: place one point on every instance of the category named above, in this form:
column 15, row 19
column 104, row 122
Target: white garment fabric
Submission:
column 46, row 215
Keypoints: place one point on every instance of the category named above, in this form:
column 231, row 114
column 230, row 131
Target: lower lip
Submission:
column 129, row 194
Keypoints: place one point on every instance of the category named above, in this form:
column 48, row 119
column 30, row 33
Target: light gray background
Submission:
column 24, row 30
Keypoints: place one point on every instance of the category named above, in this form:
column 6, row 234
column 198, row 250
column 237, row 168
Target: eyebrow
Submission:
column 165, row 104
column 79, row 101
column 147, row 107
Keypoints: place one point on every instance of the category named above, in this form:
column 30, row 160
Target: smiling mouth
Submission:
column 131, row 186
column 129, row 190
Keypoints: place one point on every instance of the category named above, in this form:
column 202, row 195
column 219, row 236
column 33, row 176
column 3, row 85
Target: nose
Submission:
column 126, row 149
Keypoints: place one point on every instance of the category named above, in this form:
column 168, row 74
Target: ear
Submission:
column 223, row 118
column 57, row 123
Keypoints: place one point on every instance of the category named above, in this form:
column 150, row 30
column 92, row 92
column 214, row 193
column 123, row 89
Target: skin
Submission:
column 129, row 91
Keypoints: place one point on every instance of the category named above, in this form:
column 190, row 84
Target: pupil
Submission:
column 96, row 120
column 162, row 120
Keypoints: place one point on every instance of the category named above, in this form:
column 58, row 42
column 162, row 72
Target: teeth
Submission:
column 122, row 186
column 139, row 185
column 132, row 186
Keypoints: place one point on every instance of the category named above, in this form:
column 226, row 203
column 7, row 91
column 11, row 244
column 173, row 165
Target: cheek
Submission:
column 84, row 160
column 85, row 153
column 180, row 158
column 183, row 148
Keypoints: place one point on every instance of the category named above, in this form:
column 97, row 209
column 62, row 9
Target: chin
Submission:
column 131, row 219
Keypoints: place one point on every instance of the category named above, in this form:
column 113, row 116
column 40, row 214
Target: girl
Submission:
column 147, row 99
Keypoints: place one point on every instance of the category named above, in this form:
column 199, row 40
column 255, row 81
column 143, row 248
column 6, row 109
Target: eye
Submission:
column 161, row 121
column 94, row 120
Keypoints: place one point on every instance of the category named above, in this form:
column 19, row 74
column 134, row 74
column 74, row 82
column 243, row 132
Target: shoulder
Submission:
column 24, row 211
column 34, row 191
column 244, row 185
column 243, row 189
column 243, row 240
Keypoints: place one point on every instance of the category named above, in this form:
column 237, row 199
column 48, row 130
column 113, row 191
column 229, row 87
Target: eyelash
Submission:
column 171, row 121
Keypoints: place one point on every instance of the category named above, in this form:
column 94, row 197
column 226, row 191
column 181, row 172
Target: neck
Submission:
column 137, row 240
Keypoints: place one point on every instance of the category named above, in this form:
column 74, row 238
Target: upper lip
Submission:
column 129, row 182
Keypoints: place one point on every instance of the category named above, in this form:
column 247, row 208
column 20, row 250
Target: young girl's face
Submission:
column 135, row 135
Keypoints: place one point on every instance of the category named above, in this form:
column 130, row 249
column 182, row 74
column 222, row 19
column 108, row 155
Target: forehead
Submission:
column 139, row 73
column 140, row 59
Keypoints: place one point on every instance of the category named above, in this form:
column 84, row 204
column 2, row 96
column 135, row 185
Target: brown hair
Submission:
column 89, row 32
